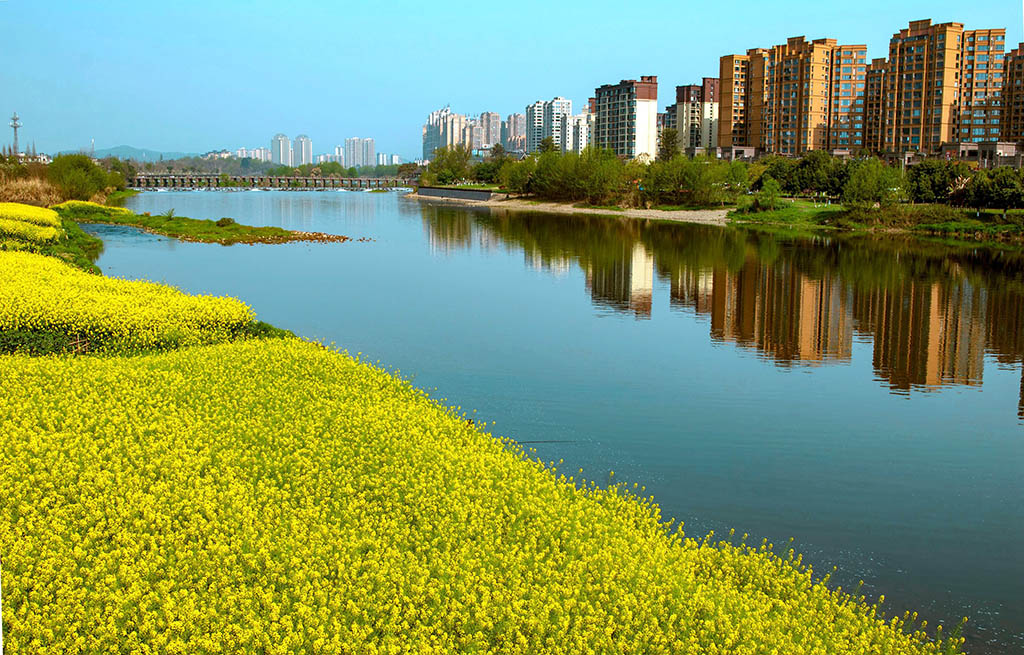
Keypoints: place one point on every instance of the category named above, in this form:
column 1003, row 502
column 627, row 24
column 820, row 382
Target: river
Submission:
column 863, row 396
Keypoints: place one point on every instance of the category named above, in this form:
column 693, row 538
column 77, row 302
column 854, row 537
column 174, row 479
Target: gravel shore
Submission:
column 701, row 216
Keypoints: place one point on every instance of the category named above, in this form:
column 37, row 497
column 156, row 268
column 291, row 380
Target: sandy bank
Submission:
column 702, row 216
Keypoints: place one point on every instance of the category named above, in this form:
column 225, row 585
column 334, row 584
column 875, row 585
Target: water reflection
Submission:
column 931, row 311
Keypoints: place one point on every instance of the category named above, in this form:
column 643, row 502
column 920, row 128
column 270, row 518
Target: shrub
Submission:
column 77, row 177
column 225, row 221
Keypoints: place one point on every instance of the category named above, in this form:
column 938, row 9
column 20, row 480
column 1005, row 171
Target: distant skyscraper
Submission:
column 394, row 160
column 544, row 120
column 513, row 132
column 534, row 126
column 280, row 150
column 491, row 124
column 554, row 111
column 368, row 152
column 303, row 149
column 359, row 152
column 339, row 154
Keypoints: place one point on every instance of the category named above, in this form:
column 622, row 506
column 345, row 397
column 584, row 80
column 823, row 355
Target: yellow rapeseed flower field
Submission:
column 15, row 211
column 29, row 231
column 45, row 295
column 86, row 206
column 278, row 497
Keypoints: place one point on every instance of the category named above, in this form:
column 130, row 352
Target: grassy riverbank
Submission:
column 922, row 220
column 271, row 495
column 224, row 231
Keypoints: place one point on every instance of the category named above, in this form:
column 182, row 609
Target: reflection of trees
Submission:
column 448, row 229
column 932, row 310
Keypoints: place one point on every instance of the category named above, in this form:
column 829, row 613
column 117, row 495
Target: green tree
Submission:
column 498, row 153
column 768, row 197
column 668, row 144
column 811, row 174
column 448, row 166
column 515, row 175
column 547, row 144
column 872, row 182
column 77, row 177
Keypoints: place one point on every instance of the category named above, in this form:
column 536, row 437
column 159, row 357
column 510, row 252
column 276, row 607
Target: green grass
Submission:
column 117, row 198
column 56, row 342
column 476, row 187
column 190, row 229
column 77, row 247
column 587, row 205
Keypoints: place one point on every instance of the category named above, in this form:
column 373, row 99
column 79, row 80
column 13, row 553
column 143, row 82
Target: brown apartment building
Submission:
column 940, row 84
column 802, row 95
column 943, row 85
column 874, row 104
column 1012, row 126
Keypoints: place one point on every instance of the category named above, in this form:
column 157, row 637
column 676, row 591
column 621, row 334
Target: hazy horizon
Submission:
column 195, row 77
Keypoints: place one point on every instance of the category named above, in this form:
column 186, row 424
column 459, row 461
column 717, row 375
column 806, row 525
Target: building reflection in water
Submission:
column 931, row 312
column 625, row 283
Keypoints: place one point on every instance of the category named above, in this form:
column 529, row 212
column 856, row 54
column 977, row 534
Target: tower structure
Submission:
column 15, row 124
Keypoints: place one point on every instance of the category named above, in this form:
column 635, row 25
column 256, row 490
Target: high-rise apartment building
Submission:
column 555, row 112
column 534, row 126
column 793, row 97
column 490, row 122
column 627, row 117
column 281, row 150
column 695, row 115
column 575, row 132
column 359, row 152
column 1012, row 126
column 443, row 129
column 339, row 154
column 259, row 154
column 848, row 96
column 981, row 81
column 735, row 74
column 513, row 132
column 472, row 134
column 368, row 152
column 303, row 150
column 544, row 120
column 943, row 84
column 354, row 151
column 874, row 104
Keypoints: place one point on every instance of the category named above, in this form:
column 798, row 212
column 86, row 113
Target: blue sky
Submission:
column 197, row 76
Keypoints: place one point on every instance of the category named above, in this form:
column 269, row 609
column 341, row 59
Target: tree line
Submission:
column 599, row 177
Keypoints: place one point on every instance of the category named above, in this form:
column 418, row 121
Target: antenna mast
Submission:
column 15, row 124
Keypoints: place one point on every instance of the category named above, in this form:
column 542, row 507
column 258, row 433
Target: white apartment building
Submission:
column 281, row 150
column 627, row 118
column 575, row 132
column 696, row 114
column 490, row 122
column 303, row 150
column 360, row 152
column 544, row 119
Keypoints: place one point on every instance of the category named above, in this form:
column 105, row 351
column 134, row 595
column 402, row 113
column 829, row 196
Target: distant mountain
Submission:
column 138, row 154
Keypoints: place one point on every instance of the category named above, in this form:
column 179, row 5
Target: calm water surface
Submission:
column 864, row 397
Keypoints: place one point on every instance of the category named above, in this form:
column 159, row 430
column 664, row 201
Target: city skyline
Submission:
column 205, row 113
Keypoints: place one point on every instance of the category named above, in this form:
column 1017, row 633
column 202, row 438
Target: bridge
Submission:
column 198, row 181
